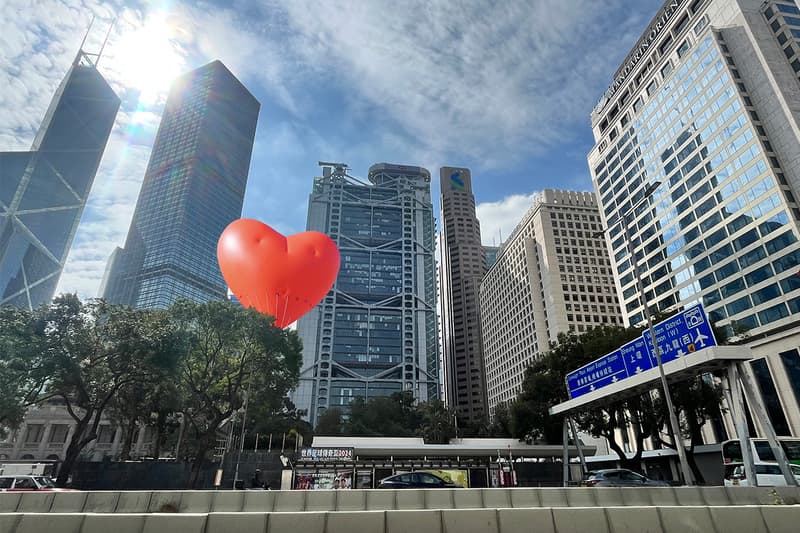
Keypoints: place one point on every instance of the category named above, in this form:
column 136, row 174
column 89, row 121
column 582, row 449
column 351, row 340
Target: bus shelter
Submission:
column 361, row 462
column 739, row 384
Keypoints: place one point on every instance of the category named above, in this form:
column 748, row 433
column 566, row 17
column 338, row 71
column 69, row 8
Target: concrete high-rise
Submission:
column 43, row 191
column 463, row 265
column 193, row 188
column 708, row 104
column 374, row 334
column 552, row 275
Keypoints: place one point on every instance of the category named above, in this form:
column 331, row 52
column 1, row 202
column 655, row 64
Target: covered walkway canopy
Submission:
column 367, row 447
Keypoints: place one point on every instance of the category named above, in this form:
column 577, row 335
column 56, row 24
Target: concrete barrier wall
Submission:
column 386, row 500
column 659, row 519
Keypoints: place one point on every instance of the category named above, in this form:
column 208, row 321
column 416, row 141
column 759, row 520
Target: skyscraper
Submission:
column 462, row 267
column 193, row 188
column 490, row 253
column 551, row 276
column 43, row 191
column 374, row 334
column 708, row 104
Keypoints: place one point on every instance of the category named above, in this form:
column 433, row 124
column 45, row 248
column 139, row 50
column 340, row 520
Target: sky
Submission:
column 503, row 88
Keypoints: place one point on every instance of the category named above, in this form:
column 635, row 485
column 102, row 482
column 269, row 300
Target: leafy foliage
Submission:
column 193, row 362
column 228, row 352
column 90, row 351
column 398, row 415
column 22, row 377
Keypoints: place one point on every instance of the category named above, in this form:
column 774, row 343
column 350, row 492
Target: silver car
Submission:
column 619, row 477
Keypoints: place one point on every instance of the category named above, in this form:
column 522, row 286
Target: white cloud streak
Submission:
column 419, row 82
column 498, row 219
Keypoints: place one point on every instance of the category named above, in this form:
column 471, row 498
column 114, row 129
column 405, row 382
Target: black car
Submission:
column 619, row 477
column 416, row 480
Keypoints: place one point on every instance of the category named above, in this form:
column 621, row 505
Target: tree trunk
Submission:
column 696, row 437
column 630, row 464
column 161, row 421
column 197, row 464
column 76, row 444
column 698, row 476
column 127, row 444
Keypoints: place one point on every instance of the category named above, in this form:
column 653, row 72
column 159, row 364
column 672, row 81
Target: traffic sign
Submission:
column 679, row 335
column 599, row 373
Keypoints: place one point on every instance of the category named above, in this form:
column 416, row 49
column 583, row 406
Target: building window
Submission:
column 34, row 433
column 58, row 434
column 701, row 24
column 791, row 363
column 770, row 396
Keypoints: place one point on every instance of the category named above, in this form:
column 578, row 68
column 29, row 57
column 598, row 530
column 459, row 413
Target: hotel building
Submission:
column 708, row 104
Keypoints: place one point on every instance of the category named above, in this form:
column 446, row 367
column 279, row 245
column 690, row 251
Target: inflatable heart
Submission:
column 282, row 276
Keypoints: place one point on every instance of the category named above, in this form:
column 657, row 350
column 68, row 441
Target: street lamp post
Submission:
column 673, row 419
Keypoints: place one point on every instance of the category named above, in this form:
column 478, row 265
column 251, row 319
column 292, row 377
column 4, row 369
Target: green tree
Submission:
column 697, row 401
column 229, row 352
column 392, row 416
column 155, row 403
column 544, row 386
column 330, row 423
column 501, row 421
column 94, row 350
column 436, row 422
column 264, row 421
column 22, row 368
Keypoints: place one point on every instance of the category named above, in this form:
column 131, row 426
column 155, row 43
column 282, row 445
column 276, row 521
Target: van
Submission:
column 26, row 469
column 768, row 475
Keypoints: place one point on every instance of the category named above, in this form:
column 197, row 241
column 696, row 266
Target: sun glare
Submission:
column 148, row 58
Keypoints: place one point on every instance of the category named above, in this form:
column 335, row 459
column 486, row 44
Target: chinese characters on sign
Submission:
column 680, row 335
column 326, row 454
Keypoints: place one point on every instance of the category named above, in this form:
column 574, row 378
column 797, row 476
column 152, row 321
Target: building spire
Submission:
column 92, row 59
column 103, row 47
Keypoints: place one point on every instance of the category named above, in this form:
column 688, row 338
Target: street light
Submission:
column 673, row 419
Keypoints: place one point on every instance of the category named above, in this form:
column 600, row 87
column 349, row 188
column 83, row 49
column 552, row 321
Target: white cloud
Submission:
column 494, row 82
column 498, row 219
column 423, row 81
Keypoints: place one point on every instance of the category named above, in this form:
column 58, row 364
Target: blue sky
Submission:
column 504, row 88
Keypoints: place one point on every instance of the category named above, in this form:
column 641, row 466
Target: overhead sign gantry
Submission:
column 688, row 349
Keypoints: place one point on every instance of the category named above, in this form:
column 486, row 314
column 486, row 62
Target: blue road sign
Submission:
column 637, row 359
column 680, row 335
column 599, row 373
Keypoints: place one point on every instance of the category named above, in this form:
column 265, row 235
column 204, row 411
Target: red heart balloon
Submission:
column 282, row 276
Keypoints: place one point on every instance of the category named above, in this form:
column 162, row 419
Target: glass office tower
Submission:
column 193, row 188
column 43, row 191
column 374, row 334
column 708, row 103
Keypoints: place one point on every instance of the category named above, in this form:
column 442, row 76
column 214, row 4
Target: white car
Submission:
column 20, row 483
column 768, row 474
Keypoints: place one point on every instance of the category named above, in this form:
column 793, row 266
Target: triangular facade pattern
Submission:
column 43, row 191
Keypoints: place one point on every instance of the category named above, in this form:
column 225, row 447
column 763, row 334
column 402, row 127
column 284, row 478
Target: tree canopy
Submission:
column 398, row 415
column 193, row 362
